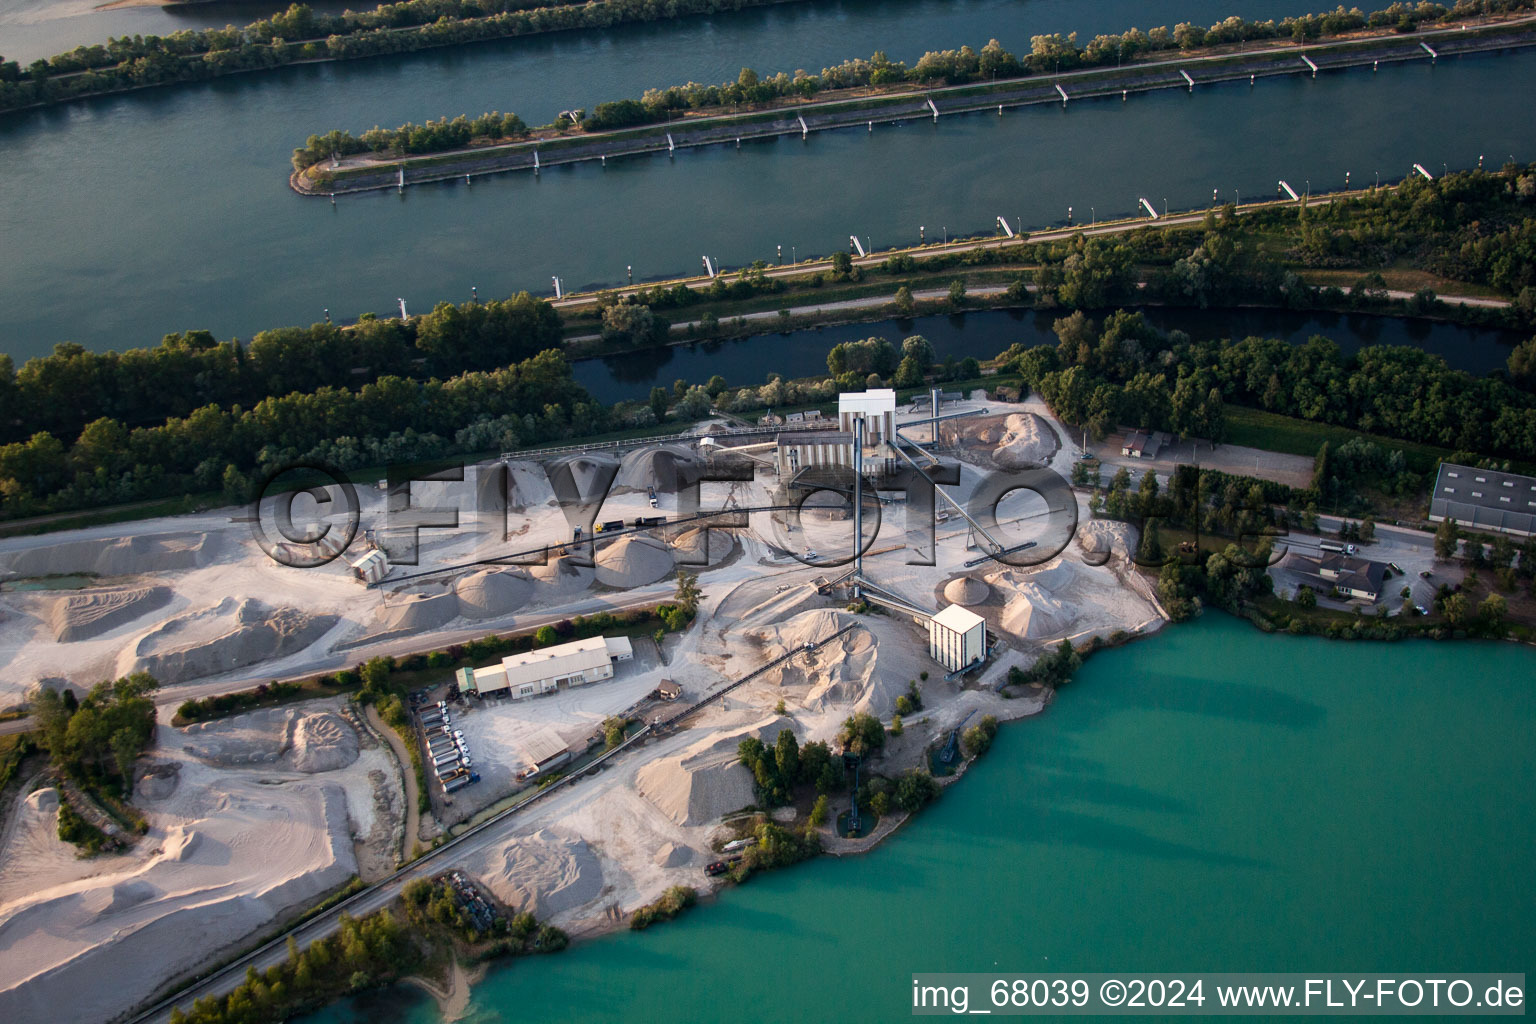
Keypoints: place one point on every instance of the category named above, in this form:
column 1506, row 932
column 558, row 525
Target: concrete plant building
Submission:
column 546, row 670
column 876, row 407
column 1484, row 499
column 957, row 638
column 803, row 449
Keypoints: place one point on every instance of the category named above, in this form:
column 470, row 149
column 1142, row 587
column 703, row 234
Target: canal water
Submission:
column 803, row 353
column 128, row 217
column 1213, row 799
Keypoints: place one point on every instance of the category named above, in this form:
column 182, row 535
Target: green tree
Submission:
column 861, row 734
column 545, row 636
column 1447, row 534
column 914, row 790
column 905, row 304
column 820, row 811
column 897, row 728
column 659, row 402
column 957, row 292
column 688, row 593
column 842, row 263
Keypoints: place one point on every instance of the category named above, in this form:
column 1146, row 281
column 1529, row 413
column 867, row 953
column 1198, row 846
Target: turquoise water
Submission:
column 1211, row 799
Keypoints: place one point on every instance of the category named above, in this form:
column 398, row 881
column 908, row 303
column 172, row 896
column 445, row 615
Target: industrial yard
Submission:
column 187, row 596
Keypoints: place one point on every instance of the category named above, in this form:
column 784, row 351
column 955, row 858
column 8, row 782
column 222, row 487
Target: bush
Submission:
column 978, row 738
column 673, row 902
column 915, row 790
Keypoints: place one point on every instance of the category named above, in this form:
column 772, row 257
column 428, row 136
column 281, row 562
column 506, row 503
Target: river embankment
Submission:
column 868, row 106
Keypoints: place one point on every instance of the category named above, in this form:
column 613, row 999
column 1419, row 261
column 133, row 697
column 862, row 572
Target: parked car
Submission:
column 1425, row 573
column 1396, row 568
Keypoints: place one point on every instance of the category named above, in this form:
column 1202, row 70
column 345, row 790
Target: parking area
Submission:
column 1410, row 551
column 1295, row 470
column 499, row 732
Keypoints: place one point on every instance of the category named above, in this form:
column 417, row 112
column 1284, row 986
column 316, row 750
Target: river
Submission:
column 803, row 353
column 169, row 209
column 1211, row 799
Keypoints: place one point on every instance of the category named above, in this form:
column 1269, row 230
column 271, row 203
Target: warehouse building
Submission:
column 546, row 670
column 957, row 638
column 1484, row 499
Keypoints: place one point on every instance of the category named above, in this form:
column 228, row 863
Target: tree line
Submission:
column 64, row 392
column 392, row 420
column 1127, row 371
column 301, row 34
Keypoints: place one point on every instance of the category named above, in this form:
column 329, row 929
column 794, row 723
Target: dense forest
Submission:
column 63, row 392
column 1125, row 371
column 1048, row 53
column 392, row 420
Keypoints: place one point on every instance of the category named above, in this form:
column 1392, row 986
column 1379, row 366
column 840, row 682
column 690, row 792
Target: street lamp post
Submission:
column 1093, row 218
column 922, row 235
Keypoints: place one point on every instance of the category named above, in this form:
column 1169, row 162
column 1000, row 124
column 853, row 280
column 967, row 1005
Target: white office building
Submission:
column 957, row 637
column 546, row 670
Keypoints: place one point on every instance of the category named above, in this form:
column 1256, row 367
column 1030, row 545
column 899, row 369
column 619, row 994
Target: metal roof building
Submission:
column 547, row 669
column 1484, row 499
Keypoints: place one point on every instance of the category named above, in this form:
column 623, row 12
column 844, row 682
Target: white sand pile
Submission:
column 492, row 592
column 751, row 611
column 86, row 949
column 530, row 485
column 158, row 783
column 418, row 612
column 90, row 613
column 313, row 741
column 653, row 467
column 322, row 743
column 1068, row 599
column 966, row 590
column 167, row 552
column 228, row 636
column 672, row 855
column 633, row 561
column 115, row 899
column 864, row 670
column 545, row 873
column 703, row 782
column 1102, row 536
column 688, row 547
column 1034, row 613
column 42, row 801
column 559, row 577
column 180, row 843
column 1026, row 441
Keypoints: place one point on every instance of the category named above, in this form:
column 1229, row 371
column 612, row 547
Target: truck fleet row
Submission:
column 446, row 748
